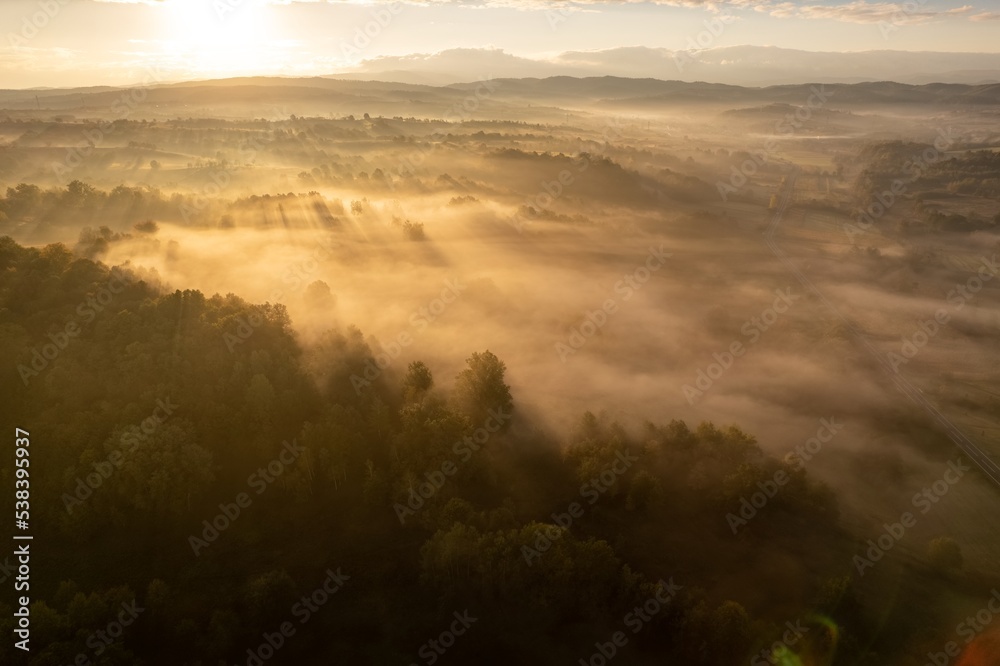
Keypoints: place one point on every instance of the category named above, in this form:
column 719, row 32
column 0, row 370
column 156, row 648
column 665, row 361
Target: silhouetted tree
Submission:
column 480, row 388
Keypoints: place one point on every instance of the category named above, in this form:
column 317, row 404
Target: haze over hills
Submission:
column 739, row 65
column 752, row 66
column 500, row 331
column 319, row 96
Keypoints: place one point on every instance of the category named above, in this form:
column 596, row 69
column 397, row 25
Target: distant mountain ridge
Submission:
column 736, row 65
column 272, row 97
column 747, row 66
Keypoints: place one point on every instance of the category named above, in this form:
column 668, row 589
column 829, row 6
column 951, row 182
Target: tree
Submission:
column 481, row 388
column 731, row 633
column 414, row 230
column 267, row 597
column 260, row 399
column 643, row 491
column 944, row 554
column 163, row 473
column 318, row 296
column 78, row 193
column 418, row 381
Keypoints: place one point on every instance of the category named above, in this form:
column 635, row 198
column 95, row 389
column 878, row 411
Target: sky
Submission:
column 69, row 43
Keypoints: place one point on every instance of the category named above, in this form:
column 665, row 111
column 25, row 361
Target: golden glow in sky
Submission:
column 219, row 37
column 92, row 42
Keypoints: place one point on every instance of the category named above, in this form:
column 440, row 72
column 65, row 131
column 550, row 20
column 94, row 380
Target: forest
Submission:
column 425, row 497
column 593, row 369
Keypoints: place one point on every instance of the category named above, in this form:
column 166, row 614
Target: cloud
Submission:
column 861, row 11
column 856, row 11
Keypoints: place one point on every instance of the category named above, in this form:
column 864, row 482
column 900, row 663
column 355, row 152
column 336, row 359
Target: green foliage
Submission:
column 480, row 388
column 360, row 453
column 418, row 381
column 929, row 177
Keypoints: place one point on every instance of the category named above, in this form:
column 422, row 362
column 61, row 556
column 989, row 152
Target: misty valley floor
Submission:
column 505, row 371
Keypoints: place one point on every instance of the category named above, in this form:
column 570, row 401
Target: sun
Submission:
column 219, row 37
